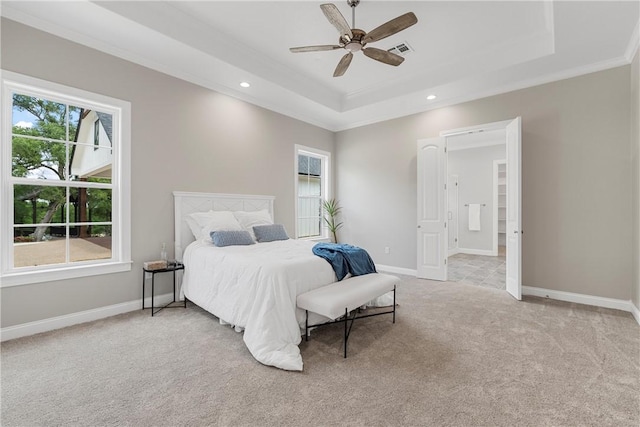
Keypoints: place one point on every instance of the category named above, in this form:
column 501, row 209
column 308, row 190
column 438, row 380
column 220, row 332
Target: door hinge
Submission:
column 445, row 224
column 445, row 186
column 455, row 240
column 445, row 149
column 445, row 261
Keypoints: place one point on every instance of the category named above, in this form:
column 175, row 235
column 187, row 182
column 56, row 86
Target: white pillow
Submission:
column 203, row 223
column 196, row 230
column 248, row 220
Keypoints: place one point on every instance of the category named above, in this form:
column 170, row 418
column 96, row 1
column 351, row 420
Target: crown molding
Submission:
column 479, row 94
column 634, row 43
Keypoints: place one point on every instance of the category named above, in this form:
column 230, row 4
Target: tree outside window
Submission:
column 65, row 172
column 61, row 188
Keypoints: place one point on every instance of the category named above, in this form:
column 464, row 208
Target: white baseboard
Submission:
column 396, row 270
column 636, row 312
column 485, row 252
column 38, row 326
column 454, row 251
column 604, row 302
column 31, row 328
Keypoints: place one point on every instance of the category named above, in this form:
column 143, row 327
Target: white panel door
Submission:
column 514, row 209
column 452, row 213
column 432, row 209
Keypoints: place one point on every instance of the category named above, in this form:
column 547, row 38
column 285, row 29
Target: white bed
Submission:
column 252, row 287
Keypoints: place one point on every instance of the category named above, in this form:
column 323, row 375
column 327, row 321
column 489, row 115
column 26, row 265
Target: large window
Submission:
column 312, row 188
column 65, row 181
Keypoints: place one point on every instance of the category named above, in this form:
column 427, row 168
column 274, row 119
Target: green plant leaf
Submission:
column 331, row 210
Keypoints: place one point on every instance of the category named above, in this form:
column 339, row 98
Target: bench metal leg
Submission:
column 346, row 335
column 347, row 319
column 394, row 303
column 347, row 332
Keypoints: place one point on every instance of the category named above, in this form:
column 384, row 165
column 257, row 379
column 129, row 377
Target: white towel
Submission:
column 474, row 217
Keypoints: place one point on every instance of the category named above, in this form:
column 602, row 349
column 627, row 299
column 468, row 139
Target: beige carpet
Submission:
column 458, row 355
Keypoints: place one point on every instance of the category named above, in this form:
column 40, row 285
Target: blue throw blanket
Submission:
column 345, row 259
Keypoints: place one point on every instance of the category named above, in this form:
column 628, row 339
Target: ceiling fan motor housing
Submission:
column 355, row 44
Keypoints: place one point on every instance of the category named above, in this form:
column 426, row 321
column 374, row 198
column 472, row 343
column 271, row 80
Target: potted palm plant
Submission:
column 332, row 210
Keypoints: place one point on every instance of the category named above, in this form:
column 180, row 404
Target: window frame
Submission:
column 96, row 134
column 120, row 260
column 325, row 156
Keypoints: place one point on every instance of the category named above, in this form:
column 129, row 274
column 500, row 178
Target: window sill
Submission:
column 315, row 239
column 30, row 277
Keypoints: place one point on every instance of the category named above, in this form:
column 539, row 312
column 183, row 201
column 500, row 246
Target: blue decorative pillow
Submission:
column 270, row 233
column 223, row 238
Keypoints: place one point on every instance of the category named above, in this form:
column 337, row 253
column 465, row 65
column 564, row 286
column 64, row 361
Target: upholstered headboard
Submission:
column 186, row 203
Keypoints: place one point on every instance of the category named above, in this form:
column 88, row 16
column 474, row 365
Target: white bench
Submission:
column 338, row 299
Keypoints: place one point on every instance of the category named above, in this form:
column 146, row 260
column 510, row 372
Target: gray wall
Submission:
column 184, row 137
column 474, row 167
column 635, row 158
column 576, row 172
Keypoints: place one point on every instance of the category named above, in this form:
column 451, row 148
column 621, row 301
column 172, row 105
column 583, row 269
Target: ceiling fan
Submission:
column 354, row 40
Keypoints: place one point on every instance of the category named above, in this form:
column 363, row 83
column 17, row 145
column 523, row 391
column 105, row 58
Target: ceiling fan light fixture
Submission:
column 245, row 84
column 353, row 47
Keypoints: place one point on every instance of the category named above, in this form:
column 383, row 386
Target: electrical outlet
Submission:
column 387, row 250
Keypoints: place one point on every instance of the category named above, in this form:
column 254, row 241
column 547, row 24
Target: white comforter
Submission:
column 255, row 287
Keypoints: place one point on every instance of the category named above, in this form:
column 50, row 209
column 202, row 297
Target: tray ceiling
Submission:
column 461, row 50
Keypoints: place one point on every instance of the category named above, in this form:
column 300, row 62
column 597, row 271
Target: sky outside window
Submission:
column 23, row 119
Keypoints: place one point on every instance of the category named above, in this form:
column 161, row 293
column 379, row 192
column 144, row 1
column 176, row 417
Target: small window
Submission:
column 65, row 179
column 96, row 135
column 312, row 189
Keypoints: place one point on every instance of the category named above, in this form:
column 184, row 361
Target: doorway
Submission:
column 473, row 159
column 433, row 202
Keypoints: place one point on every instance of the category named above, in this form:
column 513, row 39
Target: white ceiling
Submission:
column 462, row 50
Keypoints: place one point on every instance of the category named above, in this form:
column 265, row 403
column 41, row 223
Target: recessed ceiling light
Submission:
column 430, row 97
column 245, row 84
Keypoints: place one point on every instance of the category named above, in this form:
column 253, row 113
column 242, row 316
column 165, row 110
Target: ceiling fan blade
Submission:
column 314, row 48
column 390, row 28
column 343, row 65
column 383, row 56
column 337, row 20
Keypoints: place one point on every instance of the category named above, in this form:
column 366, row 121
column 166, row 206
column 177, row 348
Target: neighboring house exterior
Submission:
column 91, row 158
